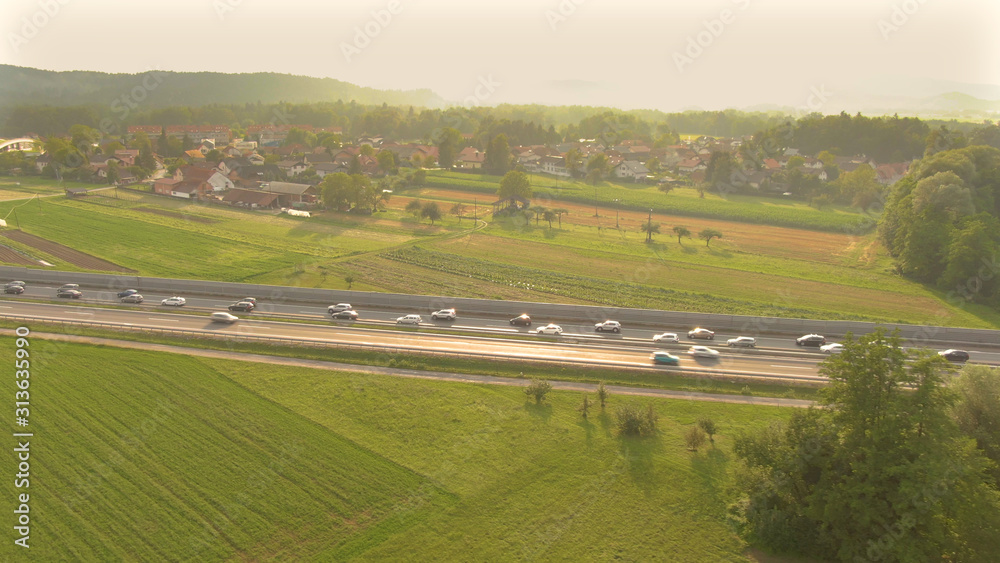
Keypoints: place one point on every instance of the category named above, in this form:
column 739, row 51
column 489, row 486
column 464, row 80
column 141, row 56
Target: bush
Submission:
column 602, row 393
column 707, row 425
column 632, row 420
column 538, row 389
column 694, row 438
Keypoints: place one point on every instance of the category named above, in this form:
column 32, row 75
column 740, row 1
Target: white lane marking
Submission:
column 163, row 320
column 309, row 313
column 481, row 328
column 791, row 367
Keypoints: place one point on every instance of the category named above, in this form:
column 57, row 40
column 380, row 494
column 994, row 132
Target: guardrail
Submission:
column 705, row 373
column 916, row 335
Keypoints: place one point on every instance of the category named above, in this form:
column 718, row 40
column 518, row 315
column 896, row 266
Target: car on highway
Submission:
column 409, row 320
column 132, row 298
column 75, row 286
column 349, row 315
column 953, row 355
column 20, row 283
column 701, row 333
column 664, row 358
column 69, row 293
column 549, row 329
column 608, row 326
column 16, row 289
column 811, row 340
column 174, row 301
column 251, row 300
column 339, row 307
column 222, row 317
column 703, row 352
column 666, row 337
column 832, row 348
column 521, row 320
column 244, row 306
column 742, row 341
column 127, row 292
column 444, row 315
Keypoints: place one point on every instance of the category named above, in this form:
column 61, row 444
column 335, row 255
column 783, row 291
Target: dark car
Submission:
column 245, row 306
column 953, row 355
column 18, row 289
column 350, row 315
column 126, row 293
column 69, row 293
column 811, row 340
column 521, row 320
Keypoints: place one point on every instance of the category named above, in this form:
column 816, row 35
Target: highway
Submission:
column 773, row 356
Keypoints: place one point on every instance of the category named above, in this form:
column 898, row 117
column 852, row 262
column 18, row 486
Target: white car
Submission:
column 666, row 337
column 174, row 302
column 409, row 320
column 832, row 348
column 703, row 352
column 338, row 308
column 221, row 317
column 550, row 329
column 444, row 315
column 744, row 341
column 612, row 326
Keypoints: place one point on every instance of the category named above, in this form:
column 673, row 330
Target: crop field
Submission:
column 167, row 458
column 24, row 187
column 176, row 458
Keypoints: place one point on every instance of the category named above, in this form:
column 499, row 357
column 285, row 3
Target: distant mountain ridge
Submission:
column 22, row 85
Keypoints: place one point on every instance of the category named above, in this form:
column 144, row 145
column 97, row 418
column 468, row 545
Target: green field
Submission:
column 173, row 458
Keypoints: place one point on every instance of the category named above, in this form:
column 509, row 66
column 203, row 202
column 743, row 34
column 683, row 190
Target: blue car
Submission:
column 664, row 358
column 126, row 293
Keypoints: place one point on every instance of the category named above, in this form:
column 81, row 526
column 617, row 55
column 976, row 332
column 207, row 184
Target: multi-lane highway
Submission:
column 775, row 356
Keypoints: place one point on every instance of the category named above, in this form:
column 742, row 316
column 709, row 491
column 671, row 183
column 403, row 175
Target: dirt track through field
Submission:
column 74, row 257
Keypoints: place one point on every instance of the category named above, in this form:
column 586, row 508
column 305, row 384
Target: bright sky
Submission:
column 665, row 54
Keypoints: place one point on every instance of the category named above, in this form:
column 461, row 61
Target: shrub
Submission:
column 633, row 420
column 694, row 438
column 602, row 393
column 538, row 389
column 584, row 407
column 707, row 425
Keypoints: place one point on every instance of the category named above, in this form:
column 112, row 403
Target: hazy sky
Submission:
column 666, row 54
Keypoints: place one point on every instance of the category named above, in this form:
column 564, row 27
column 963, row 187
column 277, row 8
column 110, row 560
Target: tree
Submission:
column 584, row 407
column 538, row 389
column 335, row 190
column 882, row 472
column 84, row 138
column 113, row 174
column 214, row 156
column 350, row 281
column 602, row 394
column 498, row 158
column 653, row 165
column 415, row 207
column 431, row 211
column 650, row 228
column 538, row 211
column 666, row 188
column 514, row 184
column 709, row 234
column 597, row 168
column 386, row 162
column 977, row 410
column 559, row 211
column 355, row 165
column 681, row 232
column 549, row 215
column 707, row 425
column 795, row 162
column 719, row 172
column 458, row 210
column 694, row 438
column 449, row 142
column 366, row 150
column 419, row 178
column 573, row 162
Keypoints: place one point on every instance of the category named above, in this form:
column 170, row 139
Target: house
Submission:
column 324, row 168
column 293, row 167
column 194, row 155
column 470, row 158
column 215, row 178
column 631, row 169
column 230, row 165
column 555, row 165
column 127, row 156
column 690, row 165
column 187, row 189
column 42, row 161
column 889, row 174
column 771, row 164
column 256, row 159
column 251, row 198
column 289, row 193
column 164, row 186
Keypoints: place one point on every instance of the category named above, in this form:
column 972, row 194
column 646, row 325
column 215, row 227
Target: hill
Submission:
column 21, row 85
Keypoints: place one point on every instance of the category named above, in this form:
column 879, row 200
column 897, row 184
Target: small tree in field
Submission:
column 633, row 420
column 584, row 407
column 602, row 394
column 538, row 389
column 681, row 232
column 694, row 438
column 431, row 211
column 414, row 207
column 707, row 425
column 349, row 280
column 709, row 234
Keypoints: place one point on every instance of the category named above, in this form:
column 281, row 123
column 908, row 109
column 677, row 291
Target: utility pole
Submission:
column 616, row 213
column 595, row 201
column 649, row 226
column 16, row 220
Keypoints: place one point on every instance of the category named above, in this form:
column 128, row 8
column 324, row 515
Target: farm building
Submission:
column 251, row 198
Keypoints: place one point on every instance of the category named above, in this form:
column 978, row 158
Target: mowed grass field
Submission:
column 165, row 457
column 144, row 457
